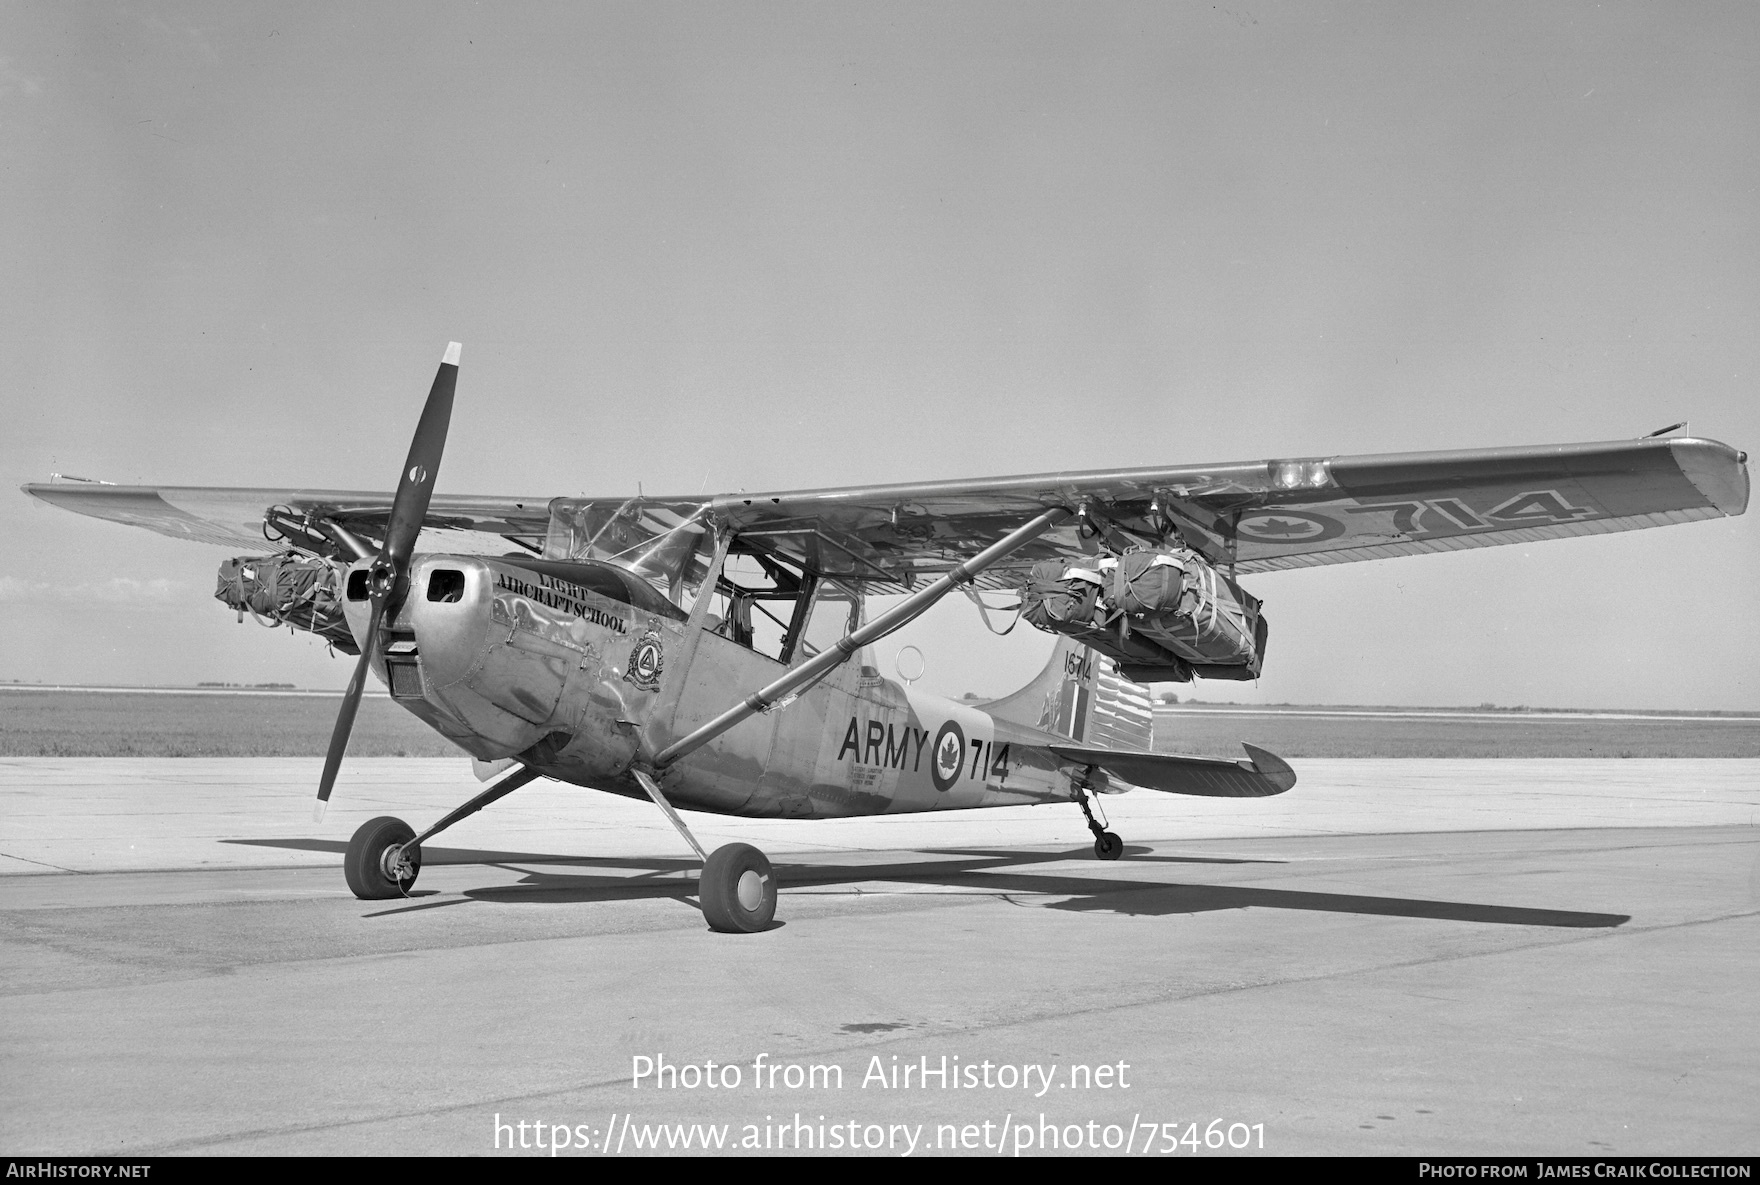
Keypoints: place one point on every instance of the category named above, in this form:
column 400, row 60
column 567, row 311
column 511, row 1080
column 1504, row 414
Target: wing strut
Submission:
column 836, row 655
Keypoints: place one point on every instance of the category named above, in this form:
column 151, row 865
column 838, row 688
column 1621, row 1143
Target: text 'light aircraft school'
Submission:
column 698, row 651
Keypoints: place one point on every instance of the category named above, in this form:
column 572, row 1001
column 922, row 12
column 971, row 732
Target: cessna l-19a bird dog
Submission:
column 697, row 651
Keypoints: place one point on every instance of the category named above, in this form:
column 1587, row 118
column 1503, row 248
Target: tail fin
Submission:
column 1081, row 695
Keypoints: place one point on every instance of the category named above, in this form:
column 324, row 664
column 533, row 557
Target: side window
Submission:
column 836, row 610
column 775, row 608
column 755, row 603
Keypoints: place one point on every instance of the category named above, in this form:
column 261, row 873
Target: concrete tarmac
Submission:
column 1414, row 957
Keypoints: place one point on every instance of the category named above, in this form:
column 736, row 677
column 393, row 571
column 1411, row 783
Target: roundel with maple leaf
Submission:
column 948, row 756
column 1287, row 526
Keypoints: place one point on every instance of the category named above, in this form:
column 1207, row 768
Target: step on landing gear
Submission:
column 737, row 888
column 1107, row 845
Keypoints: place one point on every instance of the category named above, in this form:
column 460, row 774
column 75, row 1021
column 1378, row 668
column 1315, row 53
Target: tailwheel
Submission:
column 1107, row 845
column 737, row 890
column 381, row 862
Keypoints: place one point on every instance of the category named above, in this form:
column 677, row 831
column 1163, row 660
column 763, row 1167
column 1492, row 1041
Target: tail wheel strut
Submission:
column 1107, row 844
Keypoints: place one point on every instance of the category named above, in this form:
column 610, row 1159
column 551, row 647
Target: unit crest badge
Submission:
column 647, row 658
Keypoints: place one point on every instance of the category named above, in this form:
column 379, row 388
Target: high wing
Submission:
column 1250, row 517
column 243, row 517
column 1264, row 515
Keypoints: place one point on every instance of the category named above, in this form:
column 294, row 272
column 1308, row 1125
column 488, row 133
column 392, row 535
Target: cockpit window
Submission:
column 755, row 603
column 771, row 605
column 836, row 611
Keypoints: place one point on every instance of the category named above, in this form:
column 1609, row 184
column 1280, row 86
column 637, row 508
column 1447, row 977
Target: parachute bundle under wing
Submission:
column 1162, row 615
column 289, row 589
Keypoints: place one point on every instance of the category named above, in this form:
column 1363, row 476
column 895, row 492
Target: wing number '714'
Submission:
column 1530, row 507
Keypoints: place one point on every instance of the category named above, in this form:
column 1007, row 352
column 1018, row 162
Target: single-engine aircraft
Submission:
column 698, row 651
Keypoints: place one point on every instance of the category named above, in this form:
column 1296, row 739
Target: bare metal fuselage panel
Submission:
column 578, row 684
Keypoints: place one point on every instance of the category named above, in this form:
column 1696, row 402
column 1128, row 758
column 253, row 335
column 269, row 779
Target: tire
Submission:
column 737, row 890
column 1108, row 846
column 363, row 866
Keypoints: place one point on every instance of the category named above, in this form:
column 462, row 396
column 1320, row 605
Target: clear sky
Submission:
column 723, row 246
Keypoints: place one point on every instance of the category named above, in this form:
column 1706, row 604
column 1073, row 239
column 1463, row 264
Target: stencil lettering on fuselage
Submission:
column 873, row 747
column 561, row 594
column 913, row 765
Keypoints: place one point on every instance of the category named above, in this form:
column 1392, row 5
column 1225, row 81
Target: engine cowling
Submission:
column 511, row 657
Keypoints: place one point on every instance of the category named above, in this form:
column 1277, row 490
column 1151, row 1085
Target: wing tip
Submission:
column 453, row 350
column 1717, row 470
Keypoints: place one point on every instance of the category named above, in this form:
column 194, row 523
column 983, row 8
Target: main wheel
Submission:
column 738, row 890
column 1108, row 846
column 375, row 869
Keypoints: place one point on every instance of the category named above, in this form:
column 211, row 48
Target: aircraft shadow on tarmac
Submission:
column 1004, row 873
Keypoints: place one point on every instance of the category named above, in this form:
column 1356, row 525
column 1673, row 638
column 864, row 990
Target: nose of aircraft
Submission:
column 452, row 657
column 442, row 621
column 447, row 612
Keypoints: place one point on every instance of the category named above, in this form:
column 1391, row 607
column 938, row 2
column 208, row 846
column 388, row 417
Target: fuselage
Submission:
column 583, row 671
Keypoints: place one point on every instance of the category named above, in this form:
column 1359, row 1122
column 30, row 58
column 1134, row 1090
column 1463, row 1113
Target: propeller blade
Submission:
column 388, row 576
column 351, row 703
column 415, row 488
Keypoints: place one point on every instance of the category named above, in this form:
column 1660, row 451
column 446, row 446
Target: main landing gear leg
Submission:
column 737, row 888
column 1107, row 845
column 386, row 854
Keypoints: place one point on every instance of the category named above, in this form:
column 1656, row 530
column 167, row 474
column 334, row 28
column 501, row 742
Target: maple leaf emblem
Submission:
column 1282, row 527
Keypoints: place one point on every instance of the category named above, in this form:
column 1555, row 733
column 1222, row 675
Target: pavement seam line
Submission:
column 40, row 864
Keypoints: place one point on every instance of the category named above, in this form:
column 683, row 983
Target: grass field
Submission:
column 123, row 724
column 56, row 723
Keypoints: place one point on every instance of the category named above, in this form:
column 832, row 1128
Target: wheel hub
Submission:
column 395, row 865
column 750, row 891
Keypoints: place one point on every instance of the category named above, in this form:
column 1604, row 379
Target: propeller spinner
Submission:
column 388, row 575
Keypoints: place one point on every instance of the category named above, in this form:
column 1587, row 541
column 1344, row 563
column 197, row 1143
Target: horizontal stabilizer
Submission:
column 1212, row 777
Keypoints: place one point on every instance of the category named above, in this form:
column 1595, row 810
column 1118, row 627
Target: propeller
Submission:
column 388, row 575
